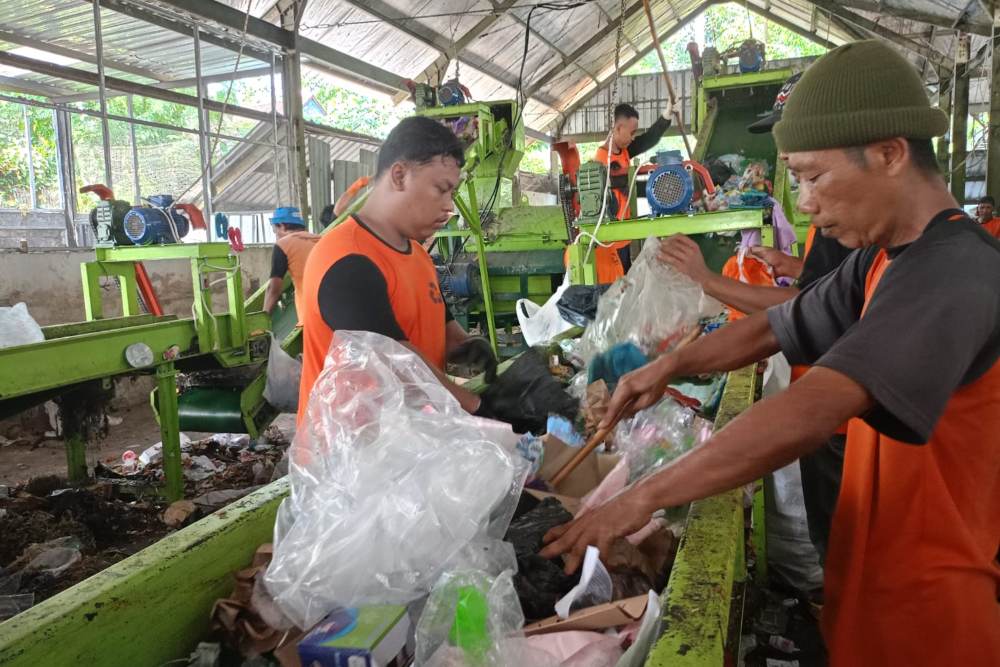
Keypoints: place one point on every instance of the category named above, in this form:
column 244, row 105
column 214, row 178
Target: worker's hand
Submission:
column 684, row 255
column 668, row 110
column 639, row 389
column 784, row 266
column 623, row 515
column 476, row 354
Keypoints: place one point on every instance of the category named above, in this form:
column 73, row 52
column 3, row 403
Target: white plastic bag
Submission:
column 283, row 374
column 653, row 306
column 392, row 484
column 17, row 327
column 594, row 587
column 540, row 324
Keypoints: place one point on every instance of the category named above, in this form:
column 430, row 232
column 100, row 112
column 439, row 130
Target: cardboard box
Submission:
column 377, row 639
column 601, row 617
column 557, row 454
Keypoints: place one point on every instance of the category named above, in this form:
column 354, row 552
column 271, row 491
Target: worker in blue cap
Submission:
column 291, row 250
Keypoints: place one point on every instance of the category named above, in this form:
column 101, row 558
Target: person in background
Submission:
column 616, row 154
column 904, row 341
column 371, row 273
column 291, row 250
column 985, row 215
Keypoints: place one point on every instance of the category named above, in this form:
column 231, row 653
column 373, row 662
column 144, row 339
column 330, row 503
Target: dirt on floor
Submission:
column 55, row 535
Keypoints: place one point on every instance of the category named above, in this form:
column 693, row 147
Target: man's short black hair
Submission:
column 625, row 111
column 988, row 200
column 420, row 140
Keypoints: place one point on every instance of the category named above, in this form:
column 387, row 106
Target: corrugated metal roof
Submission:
column 345, row 25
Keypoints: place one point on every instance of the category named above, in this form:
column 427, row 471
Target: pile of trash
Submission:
column 740, row 182
column 55, row 536
column 409, row 514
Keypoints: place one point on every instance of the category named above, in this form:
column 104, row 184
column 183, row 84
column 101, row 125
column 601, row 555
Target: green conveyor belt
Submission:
column 211, row 410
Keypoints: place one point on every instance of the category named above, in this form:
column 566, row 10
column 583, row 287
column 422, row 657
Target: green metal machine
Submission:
column 227, row 348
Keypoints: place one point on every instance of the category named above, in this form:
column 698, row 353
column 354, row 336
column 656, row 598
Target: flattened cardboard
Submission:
column 601, row 617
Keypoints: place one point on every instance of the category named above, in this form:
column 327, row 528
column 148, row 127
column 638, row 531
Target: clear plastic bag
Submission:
column 658, row 435
column 594, row 588
column 653, row 306
column 17, row 327
column 392, row 484
column 283, row 375
column 467, row 619
column 540, row 324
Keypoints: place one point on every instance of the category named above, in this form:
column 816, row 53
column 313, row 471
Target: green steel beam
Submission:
column 54, row 331
column 170, row 430
column 730, row 81
column 702, row 223
column 152, row 607
column 171, row 251
column 698, row 595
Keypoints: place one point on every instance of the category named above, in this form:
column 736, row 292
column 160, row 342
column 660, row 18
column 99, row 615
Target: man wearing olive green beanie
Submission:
column 904, row 341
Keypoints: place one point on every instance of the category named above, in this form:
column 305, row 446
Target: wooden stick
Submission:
column 591, row 445
column 666, row 77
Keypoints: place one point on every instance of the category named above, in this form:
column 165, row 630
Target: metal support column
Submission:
column 944, row 103
column 293, row 111
column 274, row 133
column 170, row 430
column 32, row 191
column 204, row 144
column 102, row 95
column 136, row 190
column 960, row 119
column 64, row 161
column 993, row 145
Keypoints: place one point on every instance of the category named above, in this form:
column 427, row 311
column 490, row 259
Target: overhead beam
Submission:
column 607, row 17
column 174, row 84
column 571, row 109
column 175, row 25
column 788, row 25
column 415, row 30
column 114, row 83
column 462, row 42
column 960, row 120
column 548, row 43
column 347, row 66
column 901, row 10
column 26, row 87
column 586, row 47
column 16, row 38
column 884, row 33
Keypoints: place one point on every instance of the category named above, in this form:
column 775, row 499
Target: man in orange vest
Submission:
column 904, row 340
column 291, row 249
column 371, row 273
column 614, row 261
column 984, row 213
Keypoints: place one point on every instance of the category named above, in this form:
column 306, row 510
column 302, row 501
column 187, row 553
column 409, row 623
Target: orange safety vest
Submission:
column 993, row 226
column 910, row 573
column 609, row 264
column 297, row 247
column 748, row 270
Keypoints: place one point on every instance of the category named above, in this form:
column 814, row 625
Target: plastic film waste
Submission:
column 392, row 484
column 654, row 306
column 283, row 374
column 17, row 327
column 658, row 435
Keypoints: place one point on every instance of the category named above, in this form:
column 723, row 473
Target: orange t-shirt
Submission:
column 993, row 226
column 418, row 313
column 297, row 247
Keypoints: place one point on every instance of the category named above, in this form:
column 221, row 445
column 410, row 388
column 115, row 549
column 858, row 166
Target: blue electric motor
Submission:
column 670, row 188
column 148, row 225
column 450, row 93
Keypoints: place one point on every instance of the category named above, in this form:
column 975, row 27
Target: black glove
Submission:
column 476, row 354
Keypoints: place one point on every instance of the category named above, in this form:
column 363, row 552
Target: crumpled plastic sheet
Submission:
column 392, row 484
column 283, row 375
column 17, row 327
column 657, row 435
column 653, row 306
column 539, row 582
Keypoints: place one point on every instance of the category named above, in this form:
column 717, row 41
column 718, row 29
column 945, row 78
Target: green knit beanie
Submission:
column 854, row 95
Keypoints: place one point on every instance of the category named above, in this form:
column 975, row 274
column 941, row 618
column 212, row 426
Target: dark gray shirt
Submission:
column 932, row 324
